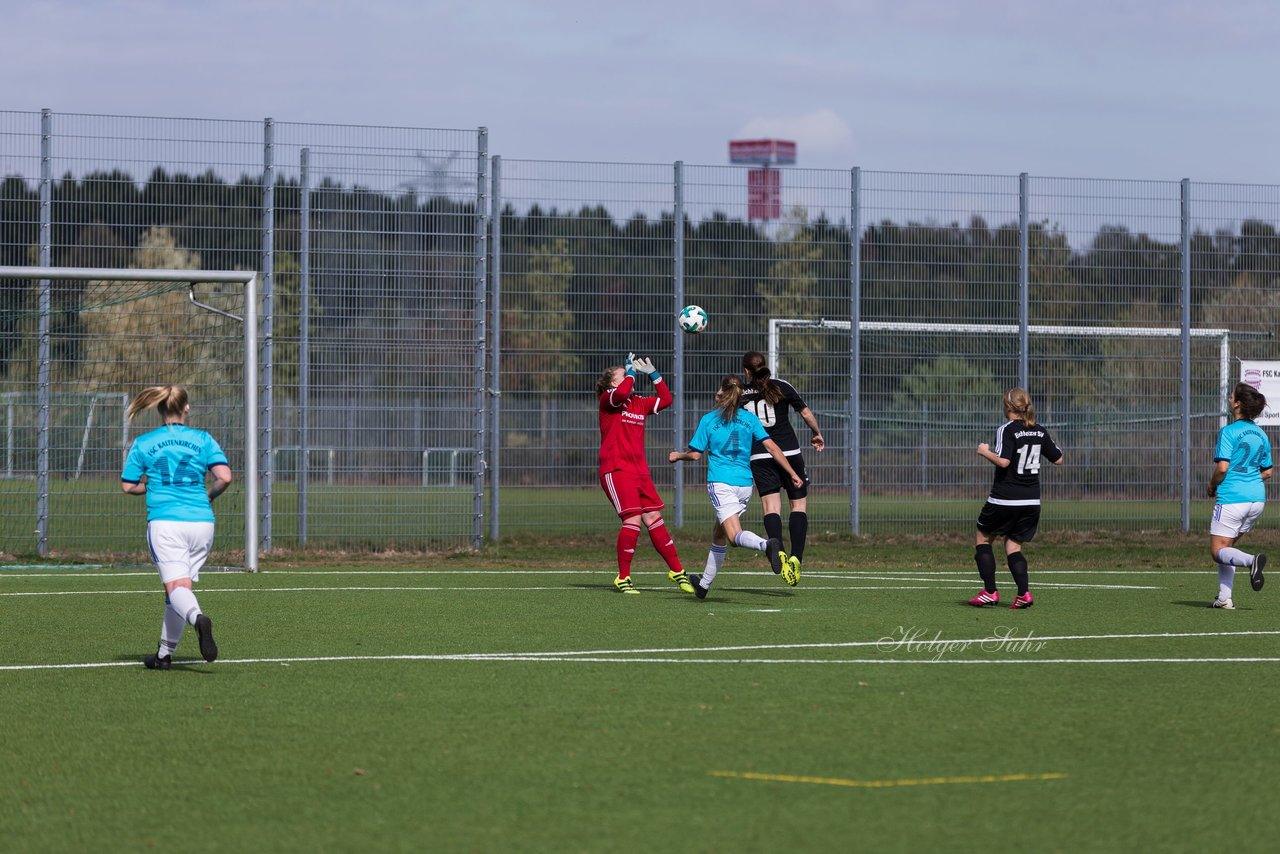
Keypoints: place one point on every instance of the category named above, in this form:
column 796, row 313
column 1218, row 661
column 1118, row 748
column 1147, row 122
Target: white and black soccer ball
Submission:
column 693, row 319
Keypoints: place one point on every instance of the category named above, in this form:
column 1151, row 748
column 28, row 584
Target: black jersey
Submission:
column 775, row 418
column 1025, row 447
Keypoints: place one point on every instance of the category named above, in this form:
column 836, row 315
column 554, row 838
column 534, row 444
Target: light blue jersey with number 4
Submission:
column 1248, row 450
column 728, row 446
column 174, row 459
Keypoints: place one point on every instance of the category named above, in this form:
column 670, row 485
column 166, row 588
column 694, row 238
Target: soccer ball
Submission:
column 693, row 319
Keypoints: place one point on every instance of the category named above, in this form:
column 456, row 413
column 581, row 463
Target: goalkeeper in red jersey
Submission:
column 624, row 471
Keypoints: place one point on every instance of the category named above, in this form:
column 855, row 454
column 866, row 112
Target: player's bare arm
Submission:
column 816, row 440
column 1219, row 474
column 984, row 451
column 221, row 480
column 781, row 459
column 689, row 456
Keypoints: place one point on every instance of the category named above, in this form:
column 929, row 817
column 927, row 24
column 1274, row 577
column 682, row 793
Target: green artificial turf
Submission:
column 512, row 701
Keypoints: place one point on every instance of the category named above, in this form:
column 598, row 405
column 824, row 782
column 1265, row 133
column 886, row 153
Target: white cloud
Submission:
column 819, row 132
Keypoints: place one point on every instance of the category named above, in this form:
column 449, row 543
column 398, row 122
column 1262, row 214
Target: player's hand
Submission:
column 796, row 480
column 630, row 364
column 1211, row 489
column 983, row 449
column 818, row 442
column 643, row 366
column 674, row 457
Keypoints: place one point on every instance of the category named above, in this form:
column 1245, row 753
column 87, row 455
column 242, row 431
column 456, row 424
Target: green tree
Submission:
column 792, row 290
column 537, row 326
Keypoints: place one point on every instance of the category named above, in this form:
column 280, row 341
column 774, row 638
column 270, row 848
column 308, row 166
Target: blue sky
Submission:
column 1152, row 90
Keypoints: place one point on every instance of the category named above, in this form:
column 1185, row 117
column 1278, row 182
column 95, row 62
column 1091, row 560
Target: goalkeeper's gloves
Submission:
column 631, row 371
column 646, row 366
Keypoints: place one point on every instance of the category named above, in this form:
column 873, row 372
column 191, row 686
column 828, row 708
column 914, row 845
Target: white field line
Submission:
column 467, row 657
column 970, row 572
column 936, row 581
column 508, row 589
column 675, row 655
column 807, row 573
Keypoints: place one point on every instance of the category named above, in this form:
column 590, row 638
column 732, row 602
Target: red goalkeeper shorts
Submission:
column 631, row 494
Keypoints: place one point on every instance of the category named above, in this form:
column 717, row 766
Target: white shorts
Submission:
column 728, row 500
column 1232, row 520
column 179, row 549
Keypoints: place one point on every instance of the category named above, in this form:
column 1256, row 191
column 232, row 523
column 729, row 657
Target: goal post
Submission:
column 43, row 379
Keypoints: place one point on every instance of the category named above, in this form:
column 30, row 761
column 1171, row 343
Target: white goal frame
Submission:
column 777, row 324
column 246, row 278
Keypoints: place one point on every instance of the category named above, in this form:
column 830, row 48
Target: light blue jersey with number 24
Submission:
column 174, row 459
column 1248, row 451
column 728, row 446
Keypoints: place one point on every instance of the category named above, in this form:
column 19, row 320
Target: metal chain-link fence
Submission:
column 434, row 320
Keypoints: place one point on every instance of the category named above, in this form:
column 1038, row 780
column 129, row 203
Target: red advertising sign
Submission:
column 763, row 152
column 764, row 194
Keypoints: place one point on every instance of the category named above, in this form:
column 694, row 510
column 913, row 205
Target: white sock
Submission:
column 748, row 540
column 715, row 560
column 170, row 631
column 184, row 602
column 1235, row 557
column 1226, row 578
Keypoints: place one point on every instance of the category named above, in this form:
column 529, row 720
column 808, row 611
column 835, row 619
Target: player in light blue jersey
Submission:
column 725, row 435
column 1241, row 465
column 168, row 466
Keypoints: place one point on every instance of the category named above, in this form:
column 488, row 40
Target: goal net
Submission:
column 929, row 392
column 76, row 344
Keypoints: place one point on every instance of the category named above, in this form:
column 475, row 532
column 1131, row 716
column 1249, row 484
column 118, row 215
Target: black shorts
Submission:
column 1017, row 523
column 771, row 479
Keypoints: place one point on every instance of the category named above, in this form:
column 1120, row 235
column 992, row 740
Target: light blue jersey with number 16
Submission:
column 174, row 459
column 728, row 446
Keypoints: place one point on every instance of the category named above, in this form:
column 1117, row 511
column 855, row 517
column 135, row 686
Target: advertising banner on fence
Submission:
column 1265, row 377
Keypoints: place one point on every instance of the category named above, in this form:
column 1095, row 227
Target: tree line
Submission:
column 393, row 288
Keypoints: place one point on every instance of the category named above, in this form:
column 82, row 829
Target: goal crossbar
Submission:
column 776, row 324
column 246, row 278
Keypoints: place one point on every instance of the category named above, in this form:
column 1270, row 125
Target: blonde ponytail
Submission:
column 167, row 400
column 1018, row 402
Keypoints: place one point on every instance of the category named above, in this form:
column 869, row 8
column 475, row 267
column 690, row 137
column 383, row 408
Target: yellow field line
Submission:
column 886, row 784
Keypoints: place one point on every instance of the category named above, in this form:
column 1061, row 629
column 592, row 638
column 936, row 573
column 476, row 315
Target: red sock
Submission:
column 665, row 545
column 627, row 539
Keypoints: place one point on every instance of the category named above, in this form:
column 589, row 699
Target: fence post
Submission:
column 1024, row 283
column 481, row 257
column 304, row 338
column 677, row 275
column 267, row 367
column 853, row 429
column 495, row 359
column 1184, row 393
column 43, row 416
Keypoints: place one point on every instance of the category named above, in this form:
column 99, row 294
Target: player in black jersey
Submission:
column 771, row 401
column 1012, row 509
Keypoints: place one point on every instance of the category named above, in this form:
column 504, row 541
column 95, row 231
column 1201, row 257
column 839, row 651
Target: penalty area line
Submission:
column 888, row 784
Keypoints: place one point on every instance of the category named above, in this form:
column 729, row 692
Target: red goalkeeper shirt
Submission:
column 622, row 416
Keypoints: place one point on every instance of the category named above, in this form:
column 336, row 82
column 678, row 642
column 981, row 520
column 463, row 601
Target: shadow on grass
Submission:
column 191, row 665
